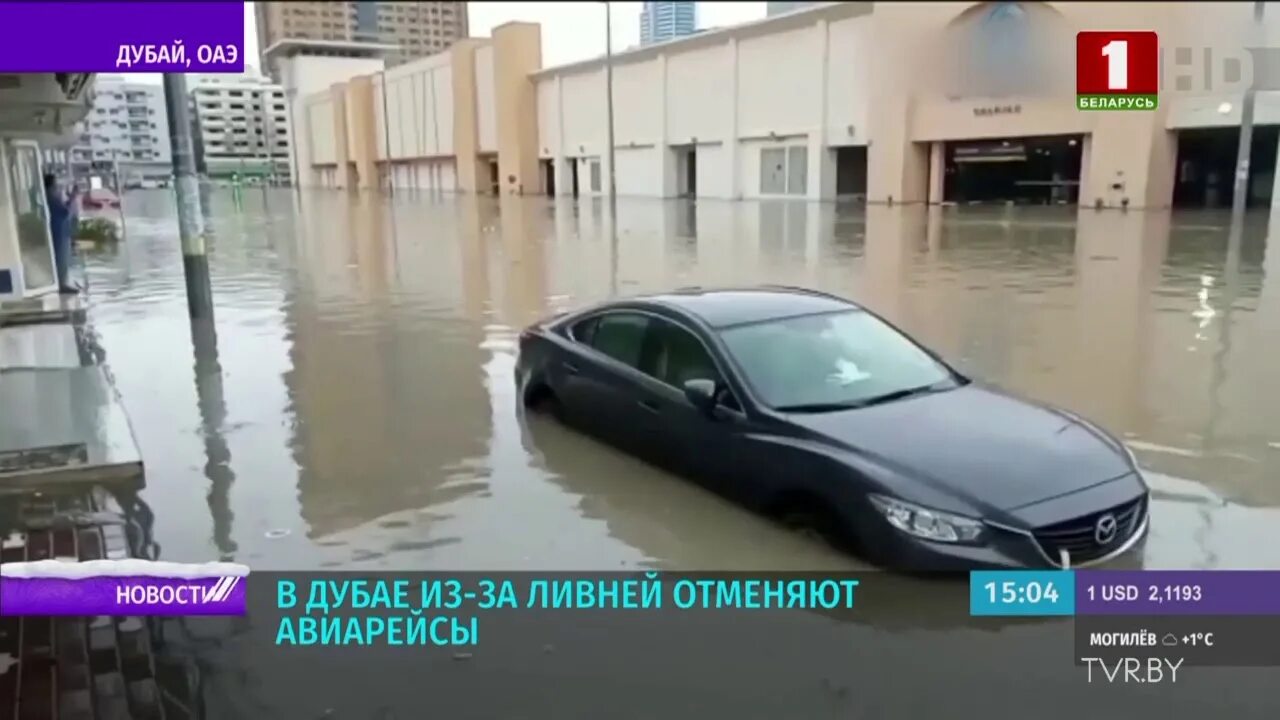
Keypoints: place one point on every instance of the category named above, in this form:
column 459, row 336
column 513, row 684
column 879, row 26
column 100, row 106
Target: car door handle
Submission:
column 650, row 406
column 569, row 367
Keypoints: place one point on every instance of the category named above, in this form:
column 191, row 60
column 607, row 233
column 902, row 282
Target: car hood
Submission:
column 978, row 444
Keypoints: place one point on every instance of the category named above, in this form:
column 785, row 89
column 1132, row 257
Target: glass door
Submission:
column 26, row 190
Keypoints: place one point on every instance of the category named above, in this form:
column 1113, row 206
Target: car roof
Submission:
column 722, row 308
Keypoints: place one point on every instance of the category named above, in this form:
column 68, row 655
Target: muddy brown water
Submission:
column 359, row 411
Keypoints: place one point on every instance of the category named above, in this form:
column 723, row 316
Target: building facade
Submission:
column 464, row 120
column 967, row 103
column 126, row 131
column 241, row 127
column 418, row 29
column 663, row 21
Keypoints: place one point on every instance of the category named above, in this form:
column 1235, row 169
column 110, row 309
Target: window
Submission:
column 595, row 176
column 582, row 330
column 675, row 356
column 834, row 358
column 621, row 336
column 784, row 170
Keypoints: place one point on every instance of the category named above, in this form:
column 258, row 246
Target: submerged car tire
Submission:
column 811, row 518
column 540, row 399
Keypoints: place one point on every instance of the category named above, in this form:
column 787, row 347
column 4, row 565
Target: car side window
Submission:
column 621, row 336
column 675, row 356
column 582, row 330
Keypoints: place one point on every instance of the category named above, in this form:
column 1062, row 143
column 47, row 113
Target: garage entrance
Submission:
column 548, row 177
column 1206, row 167
column 851, row 171
column 1024, row 170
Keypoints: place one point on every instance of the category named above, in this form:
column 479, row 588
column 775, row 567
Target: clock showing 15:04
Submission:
column 1022, row 592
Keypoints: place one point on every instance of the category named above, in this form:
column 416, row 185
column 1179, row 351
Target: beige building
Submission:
column 894, row 102
column 418, row 29
column 464, row 120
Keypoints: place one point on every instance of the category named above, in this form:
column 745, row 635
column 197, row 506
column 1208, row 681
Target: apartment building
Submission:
column 126, row 132
column 241, row 127
column 663, row 21
column 419, row 29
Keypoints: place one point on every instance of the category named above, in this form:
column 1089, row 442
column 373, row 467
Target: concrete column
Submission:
column 666, row 158
column 731, row 143
column 897, row 168
column 517, row 52
column 1132, row 159
column 345, row 175
column 1085, row 192
column 564, row 180
column 362, row 131
column 937, row 171
column 822, row 167
column 472, row 177
column 602, row 144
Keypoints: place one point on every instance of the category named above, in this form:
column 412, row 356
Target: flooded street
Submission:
column 360, row 413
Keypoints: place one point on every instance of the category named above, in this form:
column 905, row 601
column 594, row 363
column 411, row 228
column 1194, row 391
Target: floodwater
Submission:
column 358, row 409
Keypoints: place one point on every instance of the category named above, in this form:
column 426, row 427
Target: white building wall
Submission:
column 637, row 103
column 639, row 170
column 585, row 114
column 780, row 87
column 700, row 94
column 848, row 81
column 729, row 93
column 319, row 130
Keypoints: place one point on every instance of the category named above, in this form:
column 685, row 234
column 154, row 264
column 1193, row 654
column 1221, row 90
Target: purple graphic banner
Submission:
column 1177, row 592
column 123, row 595
column 121, row 37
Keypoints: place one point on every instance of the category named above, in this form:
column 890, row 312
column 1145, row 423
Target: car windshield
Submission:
column 832, row 361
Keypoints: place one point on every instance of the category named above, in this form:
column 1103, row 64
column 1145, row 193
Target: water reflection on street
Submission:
column 356, row 409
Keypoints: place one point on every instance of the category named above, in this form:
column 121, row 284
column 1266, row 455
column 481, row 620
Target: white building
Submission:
column 770, row 108
column 906, row 103
column 127, row 130
column 241, row 126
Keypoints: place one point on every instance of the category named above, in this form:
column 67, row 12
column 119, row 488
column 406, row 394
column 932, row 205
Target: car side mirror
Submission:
column 702, row 393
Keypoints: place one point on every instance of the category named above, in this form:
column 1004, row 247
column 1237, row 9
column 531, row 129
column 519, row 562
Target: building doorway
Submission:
column 1207, row 163
column 1020, row 170
column 687, row 171
column 851, row 171
column 573, row 175
column 548, row 178
column 495, row 181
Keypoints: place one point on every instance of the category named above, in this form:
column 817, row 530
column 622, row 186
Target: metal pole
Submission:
column 608, row 69
column 386, row 138
column 195, row 263
column 1240, row 195
column 293, row 140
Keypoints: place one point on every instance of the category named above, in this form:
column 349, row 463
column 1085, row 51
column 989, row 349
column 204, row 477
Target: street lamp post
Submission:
column 608, row 69
column 1240, row 194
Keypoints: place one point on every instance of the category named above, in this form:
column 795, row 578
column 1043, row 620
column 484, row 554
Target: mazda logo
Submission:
column 1105, row 531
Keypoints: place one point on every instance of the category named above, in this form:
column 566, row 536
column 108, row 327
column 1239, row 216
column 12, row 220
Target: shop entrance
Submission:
column 1023, row 170
column 1206, row 167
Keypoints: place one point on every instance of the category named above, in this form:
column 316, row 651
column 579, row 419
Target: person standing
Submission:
column 61, row 213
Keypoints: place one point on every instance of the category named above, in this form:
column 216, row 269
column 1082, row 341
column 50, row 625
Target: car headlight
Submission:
column 925, row 523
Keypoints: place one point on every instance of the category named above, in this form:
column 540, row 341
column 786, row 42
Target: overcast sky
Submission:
column 571, row 31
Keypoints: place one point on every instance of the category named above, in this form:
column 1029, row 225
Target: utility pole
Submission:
column 1240, row 195
column 608, row 69
column 195, row 262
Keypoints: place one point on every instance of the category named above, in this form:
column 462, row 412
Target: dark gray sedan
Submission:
column 825, row 416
